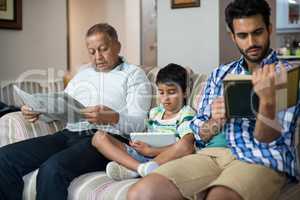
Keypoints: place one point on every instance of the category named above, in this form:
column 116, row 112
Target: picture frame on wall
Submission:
column 184, row 3
column 11, row 14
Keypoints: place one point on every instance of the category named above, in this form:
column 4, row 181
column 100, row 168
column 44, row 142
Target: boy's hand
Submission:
column 29, row 115
column 141, row 147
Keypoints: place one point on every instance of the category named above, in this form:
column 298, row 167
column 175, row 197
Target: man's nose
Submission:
column 251, row 40
column 98, row 55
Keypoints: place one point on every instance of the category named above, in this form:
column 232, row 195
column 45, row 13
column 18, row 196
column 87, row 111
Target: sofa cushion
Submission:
column 199, row 81
column 15, row 128
column 93, row 186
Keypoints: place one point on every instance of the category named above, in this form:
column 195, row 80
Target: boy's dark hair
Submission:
column 103, row 28
column 238, row 9
column 173, row 74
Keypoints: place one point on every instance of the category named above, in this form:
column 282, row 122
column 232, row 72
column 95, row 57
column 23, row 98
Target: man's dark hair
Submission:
column 238, row 9
column 103, row 28
column 173, row 74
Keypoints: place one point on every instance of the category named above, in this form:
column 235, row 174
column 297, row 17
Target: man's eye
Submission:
column 103, row 48
column 92, row 51
column 257, row 33
column 242, row 35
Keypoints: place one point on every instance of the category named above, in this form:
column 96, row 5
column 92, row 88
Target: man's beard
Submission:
column 260, row 57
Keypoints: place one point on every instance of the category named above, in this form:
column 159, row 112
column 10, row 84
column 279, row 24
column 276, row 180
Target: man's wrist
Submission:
column 267, row 109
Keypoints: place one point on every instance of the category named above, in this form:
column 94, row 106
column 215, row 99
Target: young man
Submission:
column 116, row 95
column 260, row 157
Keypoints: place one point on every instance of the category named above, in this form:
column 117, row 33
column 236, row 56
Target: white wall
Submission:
column 132, row 44
column 40, row 45
column 189, row 36
column 82, row 16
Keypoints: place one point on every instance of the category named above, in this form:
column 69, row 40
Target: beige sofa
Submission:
column 94, row 185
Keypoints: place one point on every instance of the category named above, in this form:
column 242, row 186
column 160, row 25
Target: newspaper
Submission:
column 53, row 106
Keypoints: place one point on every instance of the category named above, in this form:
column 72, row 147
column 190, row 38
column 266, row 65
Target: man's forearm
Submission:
column 209, row 129
column 267, row 128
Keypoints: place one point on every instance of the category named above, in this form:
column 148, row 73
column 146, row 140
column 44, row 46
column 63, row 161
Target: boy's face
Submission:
column 171, row 97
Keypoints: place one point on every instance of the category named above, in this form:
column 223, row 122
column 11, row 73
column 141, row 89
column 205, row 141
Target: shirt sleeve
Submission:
column 138, row 101
column 184, row 126
column 204, row 108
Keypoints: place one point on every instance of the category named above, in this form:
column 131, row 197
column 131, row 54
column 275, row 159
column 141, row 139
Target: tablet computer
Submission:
column 154, row 139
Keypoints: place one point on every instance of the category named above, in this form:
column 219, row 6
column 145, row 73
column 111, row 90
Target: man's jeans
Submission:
column 60, row 157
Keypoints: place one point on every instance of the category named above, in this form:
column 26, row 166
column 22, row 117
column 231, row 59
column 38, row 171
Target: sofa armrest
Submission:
column 14, row 128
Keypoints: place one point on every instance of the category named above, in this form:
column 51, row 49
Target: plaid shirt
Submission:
column 279, row 154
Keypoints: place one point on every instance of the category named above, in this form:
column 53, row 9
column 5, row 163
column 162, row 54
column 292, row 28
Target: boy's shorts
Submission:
column 210, row 167
column 136, row 155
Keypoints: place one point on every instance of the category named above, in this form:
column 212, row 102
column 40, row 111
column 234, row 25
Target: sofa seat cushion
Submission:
column 94, row 185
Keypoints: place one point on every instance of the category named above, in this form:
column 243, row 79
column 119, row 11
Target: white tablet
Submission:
column 154, row 139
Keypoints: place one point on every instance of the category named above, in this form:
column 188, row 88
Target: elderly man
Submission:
column 260, row 157
column 116, row 95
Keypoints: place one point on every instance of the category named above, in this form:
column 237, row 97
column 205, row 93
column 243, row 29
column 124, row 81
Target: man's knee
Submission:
column 222, row 193
column 145, row 188
column 51, row 169
column 140, row 190
column 153, row 186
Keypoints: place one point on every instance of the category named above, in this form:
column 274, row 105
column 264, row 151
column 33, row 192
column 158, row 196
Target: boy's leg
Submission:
column 56, row 174
column 20, row 158
column 183, row 147
column 113, row 149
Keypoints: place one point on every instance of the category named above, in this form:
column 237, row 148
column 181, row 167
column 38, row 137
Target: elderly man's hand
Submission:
column 29, row 115
column 100, row 115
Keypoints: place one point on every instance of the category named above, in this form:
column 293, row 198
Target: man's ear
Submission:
column 232, row 36
column 270, row 29
column 119, row 46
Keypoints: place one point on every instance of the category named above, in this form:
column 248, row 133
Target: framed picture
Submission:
column 11, row 14
column 184, row 3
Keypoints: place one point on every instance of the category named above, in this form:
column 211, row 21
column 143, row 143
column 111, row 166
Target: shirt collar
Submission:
column 269, row 59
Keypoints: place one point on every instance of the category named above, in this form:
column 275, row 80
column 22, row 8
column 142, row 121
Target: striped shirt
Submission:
column 280, row 154
column 179, row 125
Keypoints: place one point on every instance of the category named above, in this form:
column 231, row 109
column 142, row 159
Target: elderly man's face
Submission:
column 103, row 51
column 252, row 37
